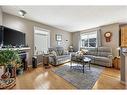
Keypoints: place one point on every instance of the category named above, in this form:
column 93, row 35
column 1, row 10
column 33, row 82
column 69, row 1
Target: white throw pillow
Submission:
column 54, row 53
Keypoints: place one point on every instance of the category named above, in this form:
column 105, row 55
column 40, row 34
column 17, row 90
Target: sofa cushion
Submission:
column 104, row 49
column 53, row 53
column 59, row 51
column 63, row 56
column 103, row 59
column 91, row 51
column 104, row 54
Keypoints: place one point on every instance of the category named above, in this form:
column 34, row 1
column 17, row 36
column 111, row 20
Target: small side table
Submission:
column 46, row 61
column 116, row 63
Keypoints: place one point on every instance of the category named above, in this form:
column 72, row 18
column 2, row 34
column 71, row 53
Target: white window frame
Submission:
column 42, row 29
column 88, row 33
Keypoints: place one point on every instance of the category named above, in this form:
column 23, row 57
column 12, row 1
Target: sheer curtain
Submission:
column 99, row 43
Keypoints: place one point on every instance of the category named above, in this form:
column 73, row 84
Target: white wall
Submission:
column 0, row 16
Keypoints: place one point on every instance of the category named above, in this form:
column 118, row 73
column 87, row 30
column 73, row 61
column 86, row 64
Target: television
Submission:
column 1, row 35
column 12, row 37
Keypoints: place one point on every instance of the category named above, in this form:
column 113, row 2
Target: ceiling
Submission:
column 72, row 18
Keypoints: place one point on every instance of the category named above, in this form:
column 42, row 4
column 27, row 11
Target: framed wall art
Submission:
column 58, row 37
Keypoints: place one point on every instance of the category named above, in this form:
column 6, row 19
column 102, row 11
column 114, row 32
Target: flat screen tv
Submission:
column 1, row 35
column 12, row 37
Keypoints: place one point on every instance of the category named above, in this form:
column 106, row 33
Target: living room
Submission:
column 95, row 40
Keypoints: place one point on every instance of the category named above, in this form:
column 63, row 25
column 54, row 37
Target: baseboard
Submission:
column 31, row 65
column 123, row 82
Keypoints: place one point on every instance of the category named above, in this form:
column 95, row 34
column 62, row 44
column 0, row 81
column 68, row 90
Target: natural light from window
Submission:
column 89, row 39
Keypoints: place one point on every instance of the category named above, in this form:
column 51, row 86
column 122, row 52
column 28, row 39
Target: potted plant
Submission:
column 10, row 59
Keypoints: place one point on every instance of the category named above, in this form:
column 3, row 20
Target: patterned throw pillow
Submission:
column 59, row 52
column 84, row 51
column 79, row 55
column 54, row 53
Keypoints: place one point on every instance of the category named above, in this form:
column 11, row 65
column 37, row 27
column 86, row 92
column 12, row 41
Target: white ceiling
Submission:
column 72, row 18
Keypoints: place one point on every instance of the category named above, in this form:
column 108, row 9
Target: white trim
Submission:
column 88, row 33
column 123, row 82
column 42, row 29
column 39, row 28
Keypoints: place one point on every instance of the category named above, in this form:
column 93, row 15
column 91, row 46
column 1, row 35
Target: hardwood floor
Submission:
column 109, row 79
column 41, row 78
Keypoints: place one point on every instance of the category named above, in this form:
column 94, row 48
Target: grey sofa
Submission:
column 60, row 57
column 101, row 55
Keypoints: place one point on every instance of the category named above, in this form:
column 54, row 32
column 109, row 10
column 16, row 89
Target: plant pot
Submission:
column 19, row 71
column 12, row 70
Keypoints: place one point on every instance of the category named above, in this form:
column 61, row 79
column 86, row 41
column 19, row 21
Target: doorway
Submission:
column 41, row 41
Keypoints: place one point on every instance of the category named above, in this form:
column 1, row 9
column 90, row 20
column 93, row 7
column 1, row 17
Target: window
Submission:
column 41, row 40
column 89, row 39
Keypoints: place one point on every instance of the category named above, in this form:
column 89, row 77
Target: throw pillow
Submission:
column 59, row 52
column 84, row 51
column 79, row 55
column 54, row 53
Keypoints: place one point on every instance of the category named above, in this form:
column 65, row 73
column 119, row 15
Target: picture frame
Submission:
column 58, row 37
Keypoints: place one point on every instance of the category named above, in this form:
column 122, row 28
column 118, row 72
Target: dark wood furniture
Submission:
column 116, row 63
column 46, row 61
column 123, row 36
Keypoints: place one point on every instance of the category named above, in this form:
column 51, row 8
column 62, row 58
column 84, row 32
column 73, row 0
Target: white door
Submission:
column 41, row 41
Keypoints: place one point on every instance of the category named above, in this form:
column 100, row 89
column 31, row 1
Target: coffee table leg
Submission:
column 83, row 68
column 70, row 64
column 89, row 65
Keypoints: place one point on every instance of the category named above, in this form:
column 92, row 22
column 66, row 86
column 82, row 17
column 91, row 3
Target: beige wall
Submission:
column 27, row 27
column 114, row 43
column 0, row 16
column 114, row 28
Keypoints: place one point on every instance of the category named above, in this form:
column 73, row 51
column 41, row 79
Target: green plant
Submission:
column 9, row 57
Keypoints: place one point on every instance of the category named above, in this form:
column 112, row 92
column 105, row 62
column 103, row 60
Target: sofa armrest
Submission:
column 110, row 56
column 51, row 55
